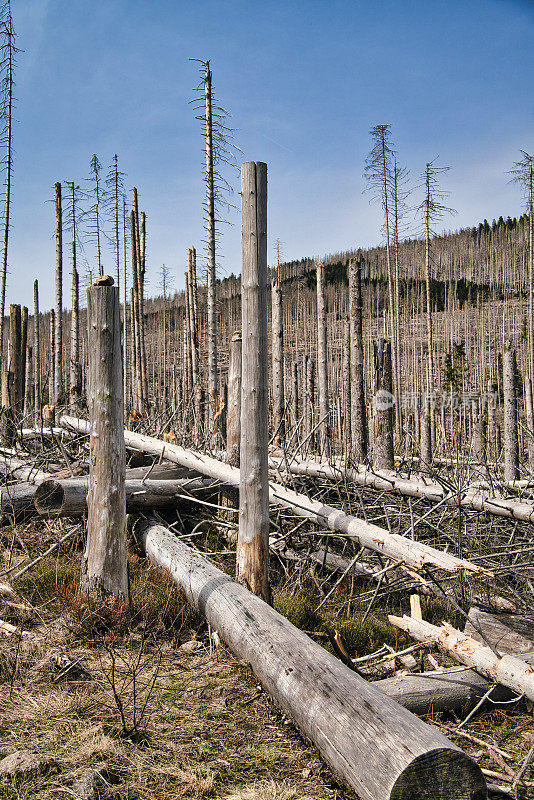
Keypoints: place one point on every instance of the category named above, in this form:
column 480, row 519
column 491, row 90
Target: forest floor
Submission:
column 142, row 702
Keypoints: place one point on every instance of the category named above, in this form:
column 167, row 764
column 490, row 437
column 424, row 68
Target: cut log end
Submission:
column 49, row 497
column 441, row 774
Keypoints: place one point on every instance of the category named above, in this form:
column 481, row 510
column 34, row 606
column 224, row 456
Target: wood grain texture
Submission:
column 104, row 569
column 253, row 538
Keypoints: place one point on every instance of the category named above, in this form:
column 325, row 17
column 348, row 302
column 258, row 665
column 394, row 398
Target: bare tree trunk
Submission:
column 104, row 570
column 253, row 539
column 58, row 360
column 529, row 433
column 136, row 317
column 233, row 419
column 126, row 390
column 23, row 349
column 52, row 371
column 511, row 445
column 322, row 365
column 75, row 366
column 429, row 334
column 210, row 229
column 37, row 353
column 358, row 412
column 11, row 379
column 8, row 161
column 479, row 434
column 277, row 344
column 426, row 435
column 493, row 452
column 346, row 388
column 383, row 407
column 28, row 390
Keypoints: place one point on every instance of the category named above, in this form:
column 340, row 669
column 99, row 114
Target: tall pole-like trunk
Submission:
column 358, row 412
column 125, row 318
column 75, row 366
column 210, row 230
column 23, row 348
column 253, row 538
column 104, row 568
column 429, row 336
column 277, row 344
column 233, row 418
column 511, row 444
column 383, row 406
column 136, row 317
column 52, row 370
column 322, row 365
column 8, row 105
column 396, row 317
column 139, row 246
column 58, row 360
column 37, row 353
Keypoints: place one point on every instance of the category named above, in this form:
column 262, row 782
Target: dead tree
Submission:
column 210, row 226
column 358, row 414
column 104, row 569
column 37, row 353
column 322, row 364
column 383, row 406
column 511, row 444
column 75, row 390
column 253, row 539
column 8, row 64
column 277, row 345
column 233, row 418
column 431, row 209
column 58, row 357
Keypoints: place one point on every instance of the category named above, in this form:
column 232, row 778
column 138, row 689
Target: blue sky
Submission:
column 304, row 82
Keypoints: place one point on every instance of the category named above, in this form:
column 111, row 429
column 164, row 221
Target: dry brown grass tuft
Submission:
column 267, row 790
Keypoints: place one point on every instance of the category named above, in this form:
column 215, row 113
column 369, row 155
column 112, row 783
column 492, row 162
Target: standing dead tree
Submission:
column 8, row 52
column 431, row 209
column 523, row 174
column 104, row 569
column 58, row 353
column 75, row 390
column 253, row 539
column 358, row 414
column 277, row 345
column 112, row 200
column 93, row 214
column 218, row 150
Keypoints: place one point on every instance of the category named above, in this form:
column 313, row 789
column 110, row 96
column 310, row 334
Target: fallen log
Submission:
column 406, row 551
column 69, row 497
column 508, row 670
column 474, row 497
column 374, row 745
column 454, row 689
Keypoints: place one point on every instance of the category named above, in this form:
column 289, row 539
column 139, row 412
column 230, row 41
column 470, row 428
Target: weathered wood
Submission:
column 509, row 633
column 414, row 554
column 374, row 745
column 68, row 497
column 475, row 497
column 511, row 444
column 507, row 670
column 322, row 364
column 277, row 345
column 58, row 353
column 104, row 569
column 36, row 353
column 453, row 689
column 252, row 557
column 383, row 406
column 358, row 413
column 233, row 418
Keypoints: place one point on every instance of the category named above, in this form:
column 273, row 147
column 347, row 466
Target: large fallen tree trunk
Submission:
column 507, row 670
column 69, row 497
column 473, row 497
column 406, row 551
column 377, row 747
